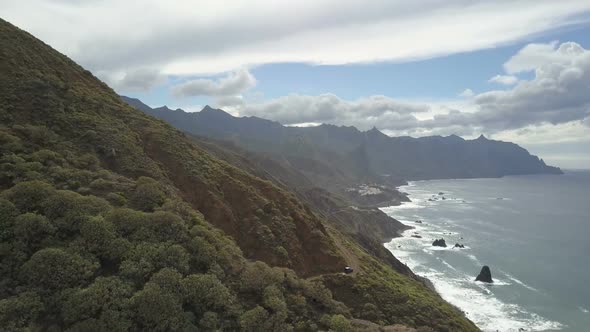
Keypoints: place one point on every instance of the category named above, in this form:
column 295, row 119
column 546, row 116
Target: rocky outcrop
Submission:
column 485, row 275
column 439, row 243
column 459, row 245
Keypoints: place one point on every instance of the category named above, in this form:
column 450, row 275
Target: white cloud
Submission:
column 233, row 84
column 467, row 93
column 187, row 37
column 504, row 79
column 137, row 80
column 557, row 94
column 229, row 101
column 363, row 113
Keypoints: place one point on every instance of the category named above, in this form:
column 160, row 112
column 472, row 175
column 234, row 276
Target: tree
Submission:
column 204, row 292
column 7, row 214
column 19, row 311
column 68, row 209
column 54, row 269
column 31, row 229
column 98, row 237
column 147, row 195
column 29, row 196
column 106, row 301
column 339, row 323
column 157, row 310
column 162, row 227
column 147, row 258
column 209, row 322
column 256, row 276
column 169, row 280
column 254, row 320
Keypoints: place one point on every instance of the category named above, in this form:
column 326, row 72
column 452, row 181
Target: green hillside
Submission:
column 111, row 220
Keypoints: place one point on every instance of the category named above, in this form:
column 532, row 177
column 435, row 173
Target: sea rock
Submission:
column 439, row 243
column 418, row 221
column 485, row 274
column 459, row 245
column 441, row 193
column 417, row 236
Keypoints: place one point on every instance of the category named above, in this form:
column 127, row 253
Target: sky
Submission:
column 515, row 70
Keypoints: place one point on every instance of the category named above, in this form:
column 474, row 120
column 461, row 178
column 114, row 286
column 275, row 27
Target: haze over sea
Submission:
column 533, row 232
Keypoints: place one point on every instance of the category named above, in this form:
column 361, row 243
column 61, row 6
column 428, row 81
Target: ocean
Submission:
column 532, row 231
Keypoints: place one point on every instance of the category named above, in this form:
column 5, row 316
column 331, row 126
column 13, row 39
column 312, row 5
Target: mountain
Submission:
column 111, row 219
column 356, row 155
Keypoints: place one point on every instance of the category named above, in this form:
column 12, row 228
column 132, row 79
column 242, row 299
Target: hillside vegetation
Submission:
column 111, row 220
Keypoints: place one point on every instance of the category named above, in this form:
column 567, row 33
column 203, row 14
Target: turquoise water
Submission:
column 533, row 232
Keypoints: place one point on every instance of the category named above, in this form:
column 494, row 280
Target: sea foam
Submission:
column 476, row 299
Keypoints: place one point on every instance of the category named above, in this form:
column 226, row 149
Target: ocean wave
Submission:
column 485, row 310
column 403, row 206
column 519, row 281
column 477, row 299
column 584, row 310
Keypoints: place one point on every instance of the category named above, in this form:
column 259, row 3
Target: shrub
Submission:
column 106, row 300
column 147, row 195
column 29, row 196
column 32, row 229
column 156, row 310
column 54, row 269
column 204, row 292
column 19, row 311
column 254, row 320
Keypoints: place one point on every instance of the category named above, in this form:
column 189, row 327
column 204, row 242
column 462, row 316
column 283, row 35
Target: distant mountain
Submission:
column 353, row 156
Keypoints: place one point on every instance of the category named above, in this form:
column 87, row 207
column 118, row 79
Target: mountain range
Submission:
column 343, row 158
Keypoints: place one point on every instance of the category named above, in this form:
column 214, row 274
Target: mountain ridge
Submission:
column 404, row 158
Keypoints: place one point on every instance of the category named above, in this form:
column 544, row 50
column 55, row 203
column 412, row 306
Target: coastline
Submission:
column 485, row 305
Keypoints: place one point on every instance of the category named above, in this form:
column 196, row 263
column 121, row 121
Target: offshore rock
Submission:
column 485, row 275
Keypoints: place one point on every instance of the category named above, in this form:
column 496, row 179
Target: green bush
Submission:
column 53, row 269
column 204, row 292
column 32, row 229
column 147, row 195
column 29, row 196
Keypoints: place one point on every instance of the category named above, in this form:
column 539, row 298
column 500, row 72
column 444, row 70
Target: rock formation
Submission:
column 439, row 243
column 485, row 275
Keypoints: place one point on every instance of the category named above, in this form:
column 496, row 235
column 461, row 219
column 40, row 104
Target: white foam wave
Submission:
column 473, row 258
column 486, row 311
column 404, row 206
column 475, row 298
column 584, row 310
column 519, row 282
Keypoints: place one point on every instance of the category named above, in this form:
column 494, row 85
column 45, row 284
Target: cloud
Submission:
column 557, row 94
column 137, row 80
column 229, row 101
column 233, row 84
column 363, row 113
column 188, row 37
column 504, row 79
column 467, row 93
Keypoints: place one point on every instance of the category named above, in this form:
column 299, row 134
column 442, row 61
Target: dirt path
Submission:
column 351, row 259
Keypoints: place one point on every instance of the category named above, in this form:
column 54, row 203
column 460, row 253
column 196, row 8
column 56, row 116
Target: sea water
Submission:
column 532, row 231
